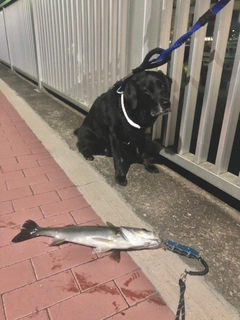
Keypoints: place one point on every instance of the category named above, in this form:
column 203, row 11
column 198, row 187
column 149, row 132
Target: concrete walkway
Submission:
column 54, row 203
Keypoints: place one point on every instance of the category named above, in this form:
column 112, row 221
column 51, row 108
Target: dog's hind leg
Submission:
column 86, row 141
column 86, row 152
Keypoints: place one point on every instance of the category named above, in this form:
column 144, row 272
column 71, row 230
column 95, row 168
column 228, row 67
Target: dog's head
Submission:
column 151, row 89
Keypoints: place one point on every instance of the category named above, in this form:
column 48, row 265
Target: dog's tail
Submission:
column 76, row 131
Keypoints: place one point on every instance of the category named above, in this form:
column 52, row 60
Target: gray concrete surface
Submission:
column 177, row 208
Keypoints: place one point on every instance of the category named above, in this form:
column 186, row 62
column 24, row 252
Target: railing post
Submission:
column 7, row 39
column 36, row 43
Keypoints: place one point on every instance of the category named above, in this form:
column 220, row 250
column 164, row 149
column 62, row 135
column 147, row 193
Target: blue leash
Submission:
column 164, row 55
column 190, row 253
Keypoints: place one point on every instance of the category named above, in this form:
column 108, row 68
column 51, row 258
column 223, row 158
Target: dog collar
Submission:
column 133, row 124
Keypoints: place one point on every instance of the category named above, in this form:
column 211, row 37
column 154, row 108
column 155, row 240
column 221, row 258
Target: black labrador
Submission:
column 117, row 117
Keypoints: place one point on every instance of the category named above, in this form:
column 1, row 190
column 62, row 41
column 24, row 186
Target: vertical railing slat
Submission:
column 220, row 37
column 8, row 49
column 193, row 78
column 164, row 36
column 180, row 27
column 105, row 43
column 230, row 120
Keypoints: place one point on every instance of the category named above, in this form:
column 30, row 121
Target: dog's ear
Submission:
column 167, row 78
column 130, row 94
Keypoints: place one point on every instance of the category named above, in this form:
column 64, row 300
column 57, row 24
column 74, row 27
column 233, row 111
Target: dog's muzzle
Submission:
column 161, row 109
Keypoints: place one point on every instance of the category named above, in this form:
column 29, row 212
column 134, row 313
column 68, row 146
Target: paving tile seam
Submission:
column 64, row 270
column 81, row 293
column 19, row 261
column 75, row 280
column 170, row 296
column 134, row 304
column 104, row 282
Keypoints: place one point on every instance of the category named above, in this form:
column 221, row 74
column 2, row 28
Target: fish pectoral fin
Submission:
column 127, row 235
column 115, row 255
column 56, row 242
column 100, row 249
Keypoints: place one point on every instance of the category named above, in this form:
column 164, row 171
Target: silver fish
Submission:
column 101, row 238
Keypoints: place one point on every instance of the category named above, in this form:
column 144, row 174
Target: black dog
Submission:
column 122, row 116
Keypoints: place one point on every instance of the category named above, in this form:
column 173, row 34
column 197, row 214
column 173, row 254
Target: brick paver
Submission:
column 66, row 282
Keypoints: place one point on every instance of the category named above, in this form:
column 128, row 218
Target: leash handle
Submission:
column 154, row 63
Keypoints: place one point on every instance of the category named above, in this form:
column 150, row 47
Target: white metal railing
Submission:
column 79, row 48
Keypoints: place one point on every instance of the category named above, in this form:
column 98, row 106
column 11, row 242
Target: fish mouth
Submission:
column 152, row 243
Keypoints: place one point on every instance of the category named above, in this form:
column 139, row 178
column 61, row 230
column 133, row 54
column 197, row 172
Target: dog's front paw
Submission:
column 151, row 168
column 121, row 180
column 88, row 157
column 108, row 152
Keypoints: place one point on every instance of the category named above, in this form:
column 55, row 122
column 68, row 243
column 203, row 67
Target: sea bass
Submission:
column 101, row 238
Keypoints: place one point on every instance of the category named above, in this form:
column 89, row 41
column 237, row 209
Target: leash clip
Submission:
column 118, row 90
column 183, row 276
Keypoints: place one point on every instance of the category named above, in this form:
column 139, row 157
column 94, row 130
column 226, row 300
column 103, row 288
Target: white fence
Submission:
column 79, row 48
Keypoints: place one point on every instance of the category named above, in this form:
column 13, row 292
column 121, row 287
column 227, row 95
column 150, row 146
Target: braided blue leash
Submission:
column 200, row 23
column 164, row 55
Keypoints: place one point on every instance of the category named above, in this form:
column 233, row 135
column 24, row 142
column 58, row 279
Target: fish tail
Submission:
column 28, row 231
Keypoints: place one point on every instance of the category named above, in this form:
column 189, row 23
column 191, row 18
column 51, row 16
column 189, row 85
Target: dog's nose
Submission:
column 165, row 107
column 165, row 104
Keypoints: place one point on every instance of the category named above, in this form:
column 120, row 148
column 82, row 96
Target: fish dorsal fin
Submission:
column 115, row 255
column 114, row 229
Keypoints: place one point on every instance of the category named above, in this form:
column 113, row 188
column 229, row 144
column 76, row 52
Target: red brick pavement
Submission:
column 67, row 282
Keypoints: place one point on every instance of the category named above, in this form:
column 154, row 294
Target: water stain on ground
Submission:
column 134, row 276
column 71, row 287
column 115, row 306
column 56, row 267
column 137, row 295
column 9, row 224
column 84, row 283
column 55, row 262
column 105, row 289
column 157, row 300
